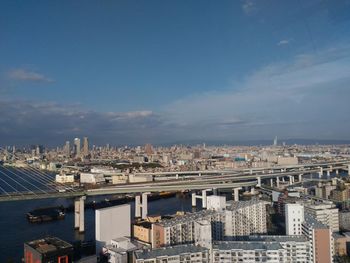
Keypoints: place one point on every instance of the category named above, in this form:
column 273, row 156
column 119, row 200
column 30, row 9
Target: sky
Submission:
column 161, row 71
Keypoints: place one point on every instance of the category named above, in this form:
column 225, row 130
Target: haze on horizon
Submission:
column 134, row 72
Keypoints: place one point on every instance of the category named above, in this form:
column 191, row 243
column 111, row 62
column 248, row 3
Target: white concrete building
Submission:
column 202, row 233
column 91, row 178
column 215, row 202
column 64, row 178
column 118, row 249
column 294, row 215
column 111, row 223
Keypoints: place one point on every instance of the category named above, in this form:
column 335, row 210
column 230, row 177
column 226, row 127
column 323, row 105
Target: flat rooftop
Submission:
column 48, row 244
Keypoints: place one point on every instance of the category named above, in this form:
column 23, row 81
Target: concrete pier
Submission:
column 203, row 197
column 194, row 201
column 141, row 205
column 137, row 206
column 144, row 205
column 259, row 181
column 79, row 213
column 320, row 173
column 236, row 193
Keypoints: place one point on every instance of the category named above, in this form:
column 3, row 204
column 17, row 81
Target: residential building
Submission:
column 321, row 240
column 177, row 254
column 344, row 220
column 245, row 218
column 326, row 213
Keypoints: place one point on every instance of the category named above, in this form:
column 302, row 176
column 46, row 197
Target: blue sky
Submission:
column 131, row 72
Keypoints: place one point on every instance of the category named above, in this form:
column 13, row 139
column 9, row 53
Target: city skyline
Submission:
column 162, row 73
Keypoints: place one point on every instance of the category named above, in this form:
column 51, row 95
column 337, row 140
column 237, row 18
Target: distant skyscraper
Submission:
column 86, row 146
column 67, row 148
column 275, row 141
column 148, row 149
column 77, row 146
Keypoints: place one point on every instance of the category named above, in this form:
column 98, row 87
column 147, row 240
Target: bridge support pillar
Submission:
column 144, row 205
column 194, row 203
column 252, row 190
column 331, row 168
column 277, row 182
column 259, row 181
column 349, row 169
column 300, row 179
column 137, row 206
column 76, row 213
column 271, row 182
column 177, row 176
column 141, row 206
column 204, row 198
column 291, row 179
column 337, row 171
column 236, row 193
column 328, row 173
column 283, row 179
column 320, row 173
column 79, row 213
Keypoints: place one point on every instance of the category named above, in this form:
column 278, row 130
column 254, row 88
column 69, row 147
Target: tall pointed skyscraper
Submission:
column 86, row 146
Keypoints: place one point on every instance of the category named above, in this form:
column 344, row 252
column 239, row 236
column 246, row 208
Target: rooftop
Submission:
column 311, row 221
column 169, row 251
column 247, row 245
column 48, row 244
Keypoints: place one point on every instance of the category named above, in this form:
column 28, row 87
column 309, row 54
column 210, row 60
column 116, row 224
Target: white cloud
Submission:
column 27, row 75
column 249, row 7
column 283, row 42
column 293, row 98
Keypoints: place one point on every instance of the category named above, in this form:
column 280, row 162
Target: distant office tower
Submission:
column 86, row 146
column 67, row 148
column 148, row 149
column 77, row 146
column 321, row 240
column 275, row 141
column 294, row 214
